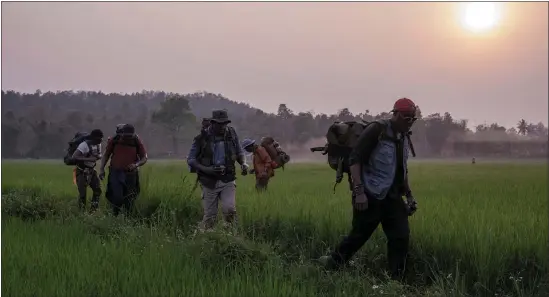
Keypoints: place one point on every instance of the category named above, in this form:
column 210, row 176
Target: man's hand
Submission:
column 361, row 201
column 244, row 167
column 132, row 167
column 411, row 205
column 101, row 174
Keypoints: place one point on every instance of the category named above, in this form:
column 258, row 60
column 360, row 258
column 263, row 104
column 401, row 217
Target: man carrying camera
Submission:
column 213, row 155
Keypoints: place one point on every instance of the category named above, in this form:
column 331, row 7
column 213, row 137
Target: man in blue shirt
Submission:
column 379, row 175
column 213, row 155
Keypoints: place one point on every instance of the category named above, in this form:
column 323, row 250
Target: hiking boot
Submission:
column 328, row 262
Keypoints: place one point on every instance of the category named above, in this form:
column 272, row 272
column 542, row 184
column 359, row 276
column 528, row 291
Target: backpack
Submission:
column 278, row 156
column 202, row 140
column 78, row 138
column 341, row 139
column 116, row 141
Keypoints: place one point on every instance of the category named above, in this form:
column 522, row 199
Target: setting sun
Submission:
column 480, row 16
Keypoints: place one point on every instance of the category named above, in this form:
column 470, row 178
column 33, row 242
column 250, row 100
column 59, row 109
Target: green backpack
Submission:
column 341, row 138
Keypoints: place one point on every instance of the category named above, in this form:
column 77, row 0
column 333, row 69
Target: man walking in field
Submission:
column 86, row 155
column 127, row 153
column 379, row 174
column 263, row 165
column 213, row 155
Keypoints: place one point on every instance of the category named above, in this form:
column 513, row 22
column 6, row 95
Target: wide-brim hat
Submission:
column 220, row 116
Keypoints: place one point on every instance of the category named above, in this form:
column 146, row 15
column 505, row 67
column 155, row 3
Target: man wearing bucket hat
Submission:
column 263, row 165
column 379, row 173
column 213, row 155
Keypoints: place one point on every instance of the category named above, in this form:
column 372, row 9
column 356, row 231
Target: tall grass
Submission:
column 480, row 230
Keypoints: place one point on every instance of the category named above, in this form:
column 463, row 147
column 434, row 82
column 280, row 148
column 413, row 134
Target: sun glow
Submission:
column 480, row 16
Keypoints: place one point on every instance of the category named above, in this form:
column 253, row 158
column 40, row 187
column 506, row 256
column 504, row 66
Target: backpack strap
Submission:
column 201, row 141
column 135, row 143
column 229, row 140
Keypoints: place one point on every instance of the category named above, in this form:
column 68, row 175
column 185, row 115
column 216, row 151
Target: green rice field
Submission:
column 480, row 230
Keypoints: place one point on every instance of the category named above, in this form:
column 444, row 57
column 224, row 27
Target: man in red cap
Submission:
column 379, row 173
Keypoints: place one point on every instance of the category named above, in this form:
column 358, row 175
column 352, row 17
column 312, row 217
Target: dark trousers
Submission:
column 84, row 178
column 391, row 213
column 122, row 190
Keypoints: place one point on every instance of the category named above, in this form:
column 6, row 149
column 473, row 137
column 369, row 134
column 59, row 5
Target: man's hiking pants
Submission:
column 88, row 177
column 122, row 190
column 392, row 214
column 224, row 193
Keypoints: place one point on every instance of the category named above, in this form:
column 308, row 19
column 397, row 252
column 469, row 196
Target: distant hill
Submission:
column 38, row 125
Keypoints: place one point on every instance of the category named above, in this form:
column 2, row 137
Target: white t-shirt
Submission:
column 88, row 151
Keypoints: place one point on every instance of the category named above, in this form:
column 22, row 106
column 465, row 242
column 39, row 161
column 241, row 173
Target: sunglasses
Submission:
column 408, row 119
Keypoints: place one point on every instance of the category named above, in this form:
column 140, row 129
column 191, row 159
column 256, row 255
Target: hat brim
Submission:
column 220, row 121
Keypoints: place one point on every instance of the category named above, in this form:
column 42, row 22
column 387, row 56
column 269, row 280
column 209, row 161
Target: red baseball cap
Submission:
column 404, row 105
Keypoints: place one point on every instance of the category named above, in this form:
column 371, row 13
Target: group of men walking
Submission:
column 378, row 178
column 126, row 153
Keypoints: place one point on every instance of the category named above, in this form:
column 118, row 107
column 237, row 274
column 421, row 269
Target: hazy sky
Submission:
column 317, row 57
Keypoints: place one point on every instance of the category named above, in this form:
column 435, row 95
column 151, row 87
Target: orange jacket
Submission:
column 262, row 162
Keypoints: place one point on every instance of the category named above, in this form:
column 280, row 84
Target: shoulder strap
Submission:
column 229, row 141
column 383, row 135
column 201, row 142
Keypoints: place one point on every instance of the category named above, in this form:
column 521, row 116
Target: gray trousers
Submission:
column 224, row 192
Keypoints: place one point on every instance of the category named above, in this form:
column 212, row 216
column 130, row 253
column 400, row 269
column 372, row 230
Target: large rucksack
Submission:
column 275, row 151
column 341, row 139
column 117, row 140
column 78, row 138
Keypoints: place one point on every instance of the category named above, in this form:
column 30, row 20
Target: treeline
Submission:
column 39, row 125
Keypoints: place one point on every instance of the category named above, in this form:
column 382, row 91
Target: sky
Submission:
column 318, row 57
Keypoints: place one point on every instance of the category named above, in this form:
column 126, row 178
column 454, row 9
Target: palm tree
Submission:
column 522, row 127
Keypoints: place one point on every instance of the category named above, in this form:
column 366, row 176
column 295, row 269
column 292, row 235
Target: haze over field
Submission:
column 478, row 71
column 356, row 55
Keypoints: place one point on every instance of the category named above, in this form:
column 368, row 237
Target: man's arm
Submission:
column 191, row 157
column 366, row 143
column 106, row 155
column 239, row 151
column 407, row 189
column 82, row 150
column 142, row 153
